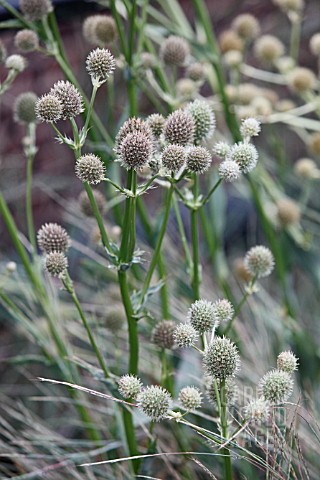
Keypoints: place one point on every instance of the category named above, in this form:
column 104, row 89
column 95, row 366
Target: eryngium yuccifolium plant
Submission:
column 196, row 71
column 90, row 168
column 301, row 80
column 24, row 108
column 174, row 51
column 185, row 335
column 99, row 29
column 223, row 310
column 250, row 127
column 56, row 263
column 48, row 108
column 190, row 398
column 276, row 386
column 132, row 125
column 246, row 26
column 26, row 40
column 100, row 64
column 70, row 98
column 221, row 149
column 258, row 410
column 229, row 170
column 35, row 9
column 173, row 157
column 53, row 238
column 287, row 362
column 179, row 128
column 306, row 168
column 268, row 48
column 129, row 386
column 202, row 315
column 135, row 150
column 221, row 359
column 259, row 261
column 198, row 159
column 245, row 154
column 85, row 205
column 155, row 402
column 231, row 390
column 16, row 62
column 204, row 120
column 288, row 212
column 156, row 123
column 163, row 334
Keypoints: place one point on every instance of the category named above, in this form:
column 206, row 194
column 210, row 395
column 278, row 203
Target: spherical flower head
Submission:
column 268, row 48
column 129, row 386
column 56, row 263
column 99, row 29
column 315, row 44
column 85, row 205
column 301, row 80
column 258, row 410
column 53, row 238
column 230, row 40
column 306, row 168
column 173, row 157
column 35, row 9
column 155, row 402
column 233, row 58
column 100, row 64
column 190, row 398
column 288, row 212
column 16, row 62
column 11, row 267
column 246, row 26
column 198, row 159
column 132, row 125
column 229, row 170
column 276, row 386
column 179, row 128
column 259, row 261
column 174, row 51
column 196, row 72
column 70, row 98
column 290, row 5
column 221, row 149
column 245, row 155
column 231, row 390
column 48, row 108
column 287, row 362
column 135, row 151
column 201, row 315
column 162, row 334
column 223, row 310
column 26, row 41
column 185, row 335
column 3, row 52
column 221, row 359
column 314, row 143
column 186, row 88
column 24, row 108
column 147, row 60
column 156, row 123
column 250, row 127
column 203, row 118
column 90, row 168
column 114, row 318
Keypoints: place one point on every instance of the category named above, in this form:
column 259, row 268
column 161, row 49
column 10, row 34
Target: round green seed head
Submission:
column 276, row 386
column 203, row 118
column 221, row 359
column 287, row 362
column 163, row 334
column 190, row 398
column 129, row 386
column 155, row 402
column 245, row 155
column 202, row 316
column 24, row 108
column 185, row 335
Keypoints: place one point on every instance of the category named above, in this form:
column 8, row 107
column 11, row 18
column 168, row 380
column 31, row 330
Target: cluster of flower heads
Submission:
column 54, row 242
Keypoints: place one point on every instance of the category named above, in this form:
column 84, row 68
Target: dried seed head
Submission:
column 288, row 212
column 129, row 386
column 185, row 335
column 221, row 149
column 70, row 98
column 306, row 168
column 16, row 62
column 259, row 261
column 100, row 64
column 162, row 334
column 250, row 127
column 26, row 40
column 246, row 26
column 173, row 157
column 314, row 143
column 56, row 263
column 174, row 51
column 287, row 362
column 154, row 402
column 190, row 398
column 230, row 40
column 223, row 310
column 301, row 79
column 85, row 205
column 203, row 118
column 135, row 150
column 268, row 48
column 221, row 359
column 186, row 88
column 202, row 315
column 245, row 154
column 99, row 29
column 48, row 108
column 53, row 238
column 3, row 52
column 132, row 125
column 315, row 44
column 35, row 9
column 258, row 411
column 196, row 72
column 90, row 168
column 290, row 5
column 179, row 128
column 231, row 390
column 198, row 159
column 276, row 386
column 156, row 123
column 229, row 170
column 24, row 108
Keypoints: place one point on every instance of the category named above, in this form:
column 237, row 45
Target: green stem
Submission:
column 182, row 233
column 98, row 217
column 295, row 37
column 195, row 281
column 90, row 107
column 29, row 214
column 213, row 189
column 224, row 428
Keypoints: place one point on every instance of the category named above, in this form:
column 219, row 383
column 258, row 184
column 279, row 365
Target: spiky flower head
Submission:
column 56, row 263
column 268, row 48
column 156, row 123
column 3, row 52
column 135, row 150
column 174, row 51
column 24, row 108
column 221, row 149
column 190, row 398
column 221, row 359
column 70, row 98
column 287, row 362
column 90, row 168
column 259, row 261
column 179, row 128
column 301, row 79
column 173, row 157
column 276, row 386
column 48, row 108
column 246, row 26
column 230, row 40
column 53, row 238
column 196, row 71
column 288, row 212
column 85, row 205
column 315, row 44
column 99, row 29
column 306, row 168
column 198, row 159
column 204, row 120
column 132, row 125
column 155, row 402
column 250, row 127
column 245, row 154
column 16, row 62
column 162, row 334
column 201, row 315
column 35, row 9
column 290, row 5
column 229, row 170
column 258, row 410
column 185, row 335
column 129, row 386
column 223, row 310
column 26, row 40
column 231, row 389
column 100, row 65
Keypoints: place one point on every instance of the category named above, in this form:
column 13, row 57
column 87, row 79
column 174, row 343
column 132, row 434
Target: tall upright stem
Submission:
column 195, row 282
column 224, row 428
column 29, row 213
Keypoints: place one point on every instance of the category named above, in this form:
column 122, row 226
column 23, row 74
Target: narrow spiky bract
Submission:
column 287, row 362
column 163, row 334
column 100, row 64
column 135, row 150
column 48, row 108
column 259, row 261
column 70, row 98
column 258, row 410
column 221, row 359
column 56, row 263
column 276, row 386
column 53, row 238
column 179, row 128
column 129, row 386
column 198, row 159
column 24, row 108
column 203, row 118
column 26, row 40
column 173, row 157
column 35, row 9
column 201, row 315
column 174, row 51
column 155, row 402
column 90, row 168
column 190, row 398
column 185, row 335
